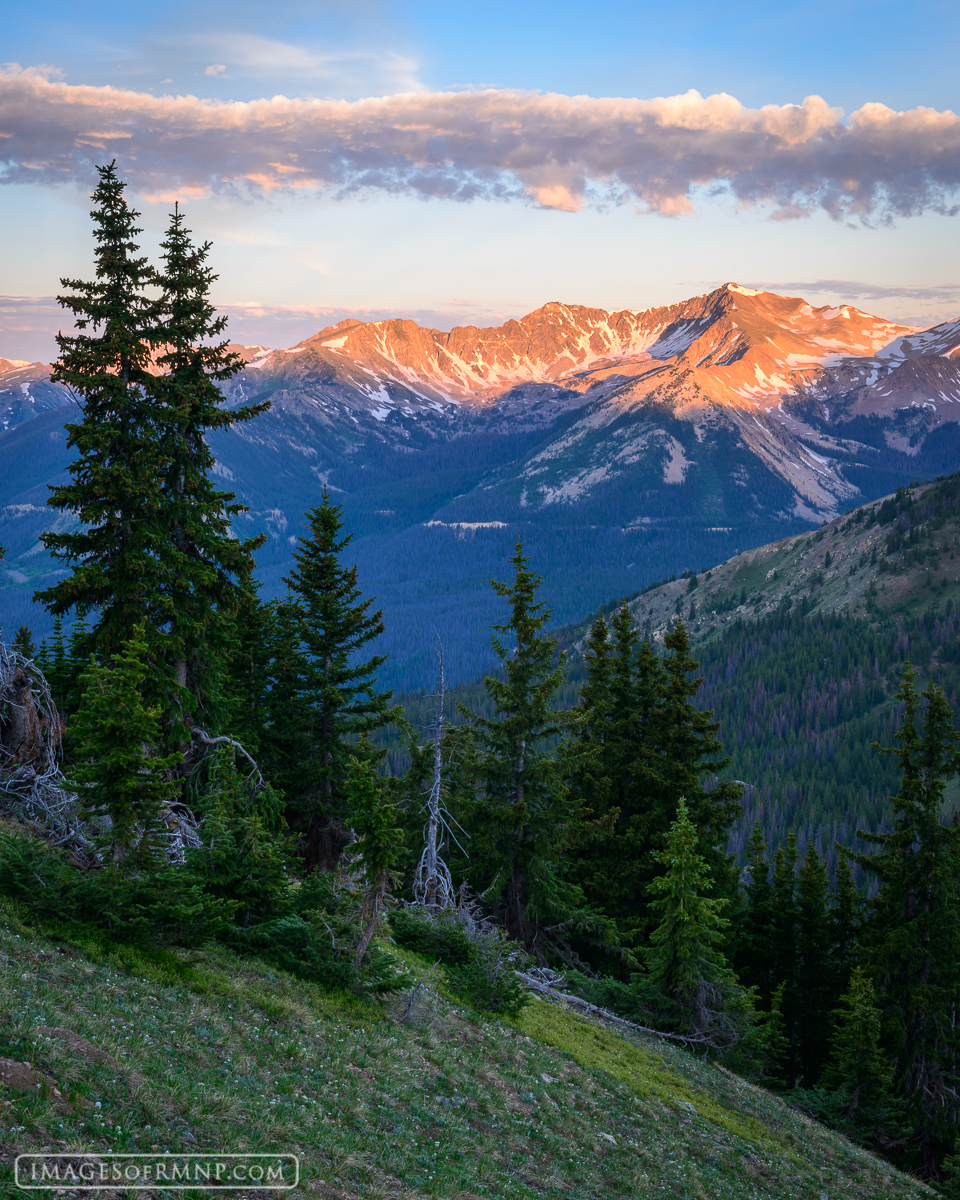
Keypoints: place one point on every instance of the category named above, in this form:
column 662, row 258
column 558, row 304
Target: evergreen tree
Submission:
column 117, row 474
column 644, row 744
column 207, row 565
column 516, row 805
column 691, row 753
column 324, row 697
column 753, row 949
column 858, row 1077
column 257, row 661
column 599, row 758
column 777, row 1044
column 913, row 926
column 23, row 642
column 785, row 947
column 639, row 806
column 685, row 958
column 950, row 1187
column 847, row 916
column 59, row 672
column 591, row 754
column 242, row 860
column 379, row 844
column 123, row 787
column 815, row 996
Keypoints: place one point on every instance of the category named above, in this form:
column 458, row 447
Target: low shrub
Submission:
column 479, row 960
column 316, row 940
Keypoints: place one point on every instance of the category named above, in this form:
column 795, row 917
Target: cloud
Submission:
column 256, row 55
column 554, row 150
column 285, row 324
column 214, row 69
column 28, row 325
column 873, row 291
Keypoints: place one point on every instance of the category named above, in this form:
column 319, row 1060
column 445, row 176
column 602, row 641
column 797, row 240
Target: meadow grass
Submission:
column 206, row 1050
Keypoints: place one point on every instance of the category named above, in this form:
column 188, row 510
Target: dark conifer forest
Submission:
column 745, row 844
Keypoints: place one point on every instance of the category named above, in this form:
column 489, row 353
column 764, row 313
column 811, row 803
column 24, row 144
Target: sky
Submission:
column 464, row 163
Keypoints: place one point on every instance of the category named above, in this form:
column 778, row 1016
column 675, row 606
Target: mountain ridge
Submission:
column 621, row 447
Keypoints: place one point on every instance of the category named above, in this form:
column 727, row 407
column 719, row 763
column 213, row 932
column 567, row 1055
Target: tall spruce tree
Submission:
column 116, row 485
column 375, row 819
column 207, row 565
column 859, row 1078
column 913, row 926
column 256, row 662
column 591, row 769
column 608, row 728
column 326, row 697
column 242, row 860
column 685, row 957
column 753, row 948
column 814, row 974
column 690, row 755
column 515, row 802
column 154, row 542
column 23, row 642
column 785, row 947
column 847, row 919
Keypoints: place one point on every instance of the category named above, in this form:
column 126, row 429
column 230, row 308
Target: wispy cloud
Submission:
column 856, row 288
column 253, row 56
column 556, row 150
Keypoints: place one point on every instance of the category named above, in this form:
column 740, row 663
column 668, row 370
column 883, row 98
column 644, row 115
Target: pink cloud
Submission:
column 557, row 151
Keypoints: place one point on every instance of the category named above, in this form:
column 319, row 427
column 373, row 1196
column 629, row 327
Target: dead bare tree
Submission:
column 32, row 786
column 550, row 985
column 432, row 882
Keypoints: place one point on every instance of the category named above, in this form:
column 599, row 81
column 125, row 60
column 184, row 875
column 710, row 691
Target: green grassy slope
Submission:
column 210, row 1051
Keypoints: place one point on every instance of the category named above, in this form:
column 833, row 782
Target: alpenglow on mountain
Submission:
column 623, row 447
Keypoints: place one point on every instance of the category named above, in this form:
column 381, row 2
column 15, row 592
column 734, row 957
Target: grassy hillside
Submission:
column 209, row 1051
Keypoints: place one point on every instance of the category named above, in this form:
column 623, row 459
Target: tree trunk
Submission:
column 514, row 905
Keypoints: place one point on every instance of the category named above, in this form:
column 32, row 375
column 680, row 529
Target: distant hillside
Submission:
column 899, row 555
column 801, row 644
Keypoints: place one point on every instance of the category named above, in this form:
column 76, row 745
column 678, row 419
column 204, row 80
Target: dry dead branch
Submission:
column 32, row 786
column 432, row 882
column 548, row 984
column 205, row 739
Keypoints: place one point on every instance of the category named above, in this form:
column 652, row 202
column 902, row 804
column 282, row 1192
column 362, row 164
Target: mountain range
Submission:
column 621, row 447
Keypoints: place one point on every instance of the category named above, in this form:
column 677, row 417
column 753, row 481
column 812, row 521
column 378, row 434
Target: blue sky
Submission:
column 553, row 219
